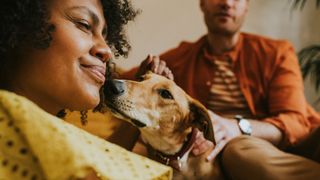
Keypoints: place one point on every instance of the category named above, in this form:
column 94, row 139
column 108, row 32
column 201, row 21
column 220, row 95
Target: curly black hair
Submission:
column 26, row 22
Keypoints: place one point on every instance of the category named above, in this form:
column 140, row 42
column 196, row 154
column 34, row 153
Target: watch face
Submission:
column 245, row 126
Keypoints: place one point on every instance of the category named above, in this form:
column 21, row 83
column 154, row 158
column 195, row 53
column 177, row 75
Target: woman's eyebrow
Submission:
column 92, row 15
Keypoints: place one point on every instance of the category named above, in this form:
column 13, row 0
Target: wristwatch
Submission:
column 244, row 125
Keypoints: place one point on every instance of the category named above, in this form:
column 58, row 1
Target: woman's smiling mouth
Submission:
column 96, row 72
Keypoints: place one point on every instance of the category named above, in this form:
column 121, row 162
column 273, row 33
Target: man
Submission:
column 254, row 87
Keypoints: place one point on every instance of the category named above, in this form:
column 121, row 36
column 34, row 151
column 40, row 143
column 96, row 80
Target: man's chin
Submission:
column 224, row 30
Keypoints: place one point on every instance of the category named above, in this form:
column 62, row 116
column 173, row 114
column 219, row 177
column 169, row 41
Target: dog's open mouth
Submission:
column 119, row 114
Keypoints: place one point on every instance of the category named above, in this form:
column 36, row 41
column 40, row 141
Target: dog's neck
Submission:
column 177, row 160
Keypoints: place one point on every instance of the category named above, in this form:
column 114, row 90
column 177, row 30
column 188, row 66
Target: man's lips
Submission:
column 96, row 72
column 222, row 14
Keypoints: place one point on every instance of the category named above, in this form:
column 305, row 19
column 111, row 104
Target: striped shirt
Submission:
column 225, row 96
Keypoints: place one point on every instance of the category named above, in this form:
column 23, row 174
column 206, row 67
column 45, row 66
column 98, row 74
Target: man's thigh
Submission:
column 252, row 158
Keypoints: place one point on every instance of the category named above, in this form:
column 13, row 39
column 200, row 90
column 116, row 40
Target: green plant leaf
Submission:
column 301, row 3
column 309, row 59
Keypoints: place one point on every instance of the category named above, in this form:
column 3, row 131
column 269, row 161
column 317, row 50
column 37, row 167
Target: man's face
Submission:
column 224, row 16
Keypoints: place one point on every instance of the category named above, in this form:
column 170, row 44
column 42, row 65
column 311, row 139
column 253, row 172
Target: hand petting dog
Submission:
column 224, row 129
column 156, row 65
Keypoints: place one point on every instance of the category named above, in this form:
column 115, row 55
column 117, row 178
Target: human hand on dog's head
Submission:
column 156, row 65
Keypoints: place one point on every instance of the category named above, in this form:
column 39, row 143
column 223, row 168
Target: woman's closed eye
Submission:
column 84, row 25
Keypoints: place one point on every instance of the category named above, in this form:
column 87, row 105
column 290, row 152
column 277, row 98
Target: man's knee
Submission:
column 245, row 154
column 252, row 158
column 245, row 147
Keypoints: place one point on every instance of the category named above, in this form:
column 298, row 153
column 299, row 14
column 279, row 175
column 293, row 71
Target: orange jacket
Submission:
column 269, row 77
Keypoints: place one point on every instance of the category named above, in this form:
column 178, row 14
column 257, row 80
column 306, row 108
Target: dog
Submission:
column 168, row 119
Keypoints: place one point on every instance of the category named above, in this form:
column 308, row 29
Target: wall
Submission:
column 164, row 23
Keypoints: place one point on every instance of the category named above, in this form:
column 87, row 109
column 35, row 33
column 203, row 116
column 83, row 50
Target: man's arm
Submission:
column 228, row 129
column 287, row 105
column 287, row 122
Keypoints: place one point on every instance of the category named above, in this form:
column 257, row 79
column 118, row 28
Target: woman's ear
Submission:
column 200, row 118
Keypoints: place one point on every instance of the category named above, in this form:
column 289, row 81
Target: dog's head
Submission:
column 162, row 111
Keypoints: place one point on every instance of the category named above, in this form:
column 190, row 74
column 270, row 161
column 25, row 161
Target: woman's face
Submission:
column 70, row 72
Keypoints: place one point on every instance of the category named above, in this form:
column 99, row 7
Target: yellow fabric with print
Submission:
column 37, row 145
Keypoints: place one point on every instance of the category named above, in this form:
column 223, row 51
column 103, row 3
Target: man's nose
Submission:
column 226, row 4
column 114, row 87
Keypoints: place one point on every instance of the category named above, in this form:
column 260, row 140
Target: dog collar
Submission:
column 174, row 160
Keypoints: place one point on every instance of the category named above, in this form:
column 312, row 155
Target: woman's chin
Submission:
column 93, row 102
column 89, row 101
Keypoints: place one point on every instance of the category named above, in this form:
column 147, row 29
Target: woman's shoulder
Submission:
column 65, row 151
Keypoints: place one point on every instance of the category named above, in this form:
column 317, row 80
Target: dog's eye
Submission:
column 165, row 94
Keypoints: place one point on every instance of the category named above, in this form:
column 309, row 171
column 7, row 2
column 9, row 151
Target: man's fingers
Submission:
column 155, row 64
column 161, row 67
column 201, row 144
column 199, row 139
column 197, row 148
column 203, row 147
column 145, row 63
column 167, row 73
column 217, row 149
column 144, row 66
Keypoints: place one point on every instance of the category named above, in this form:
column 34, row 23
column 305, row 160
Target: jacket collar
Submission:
column 231, row 55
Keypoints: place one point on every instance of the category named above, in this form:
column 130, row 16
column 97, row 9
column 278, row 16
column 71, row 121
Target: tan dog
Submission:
column 167, row 119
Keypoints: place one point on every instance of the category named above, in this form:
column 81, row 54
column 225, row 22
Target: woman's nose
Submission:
column 101, row 50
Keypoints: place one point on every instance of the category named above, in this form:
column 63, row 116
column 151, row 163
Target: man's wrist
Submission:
column 236, row 130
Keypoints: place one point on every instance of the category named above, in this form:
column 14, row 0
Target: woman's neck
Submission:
column 37, row 98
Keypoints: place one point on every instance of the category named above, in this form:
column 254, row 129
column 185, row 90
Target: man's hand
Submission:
column 154, row 64
column 201, row 144
column 224, row 131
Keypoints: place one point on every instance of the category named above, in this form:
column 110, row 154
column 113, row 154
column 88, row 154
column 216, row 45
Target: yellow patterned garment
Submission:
column 37, row 145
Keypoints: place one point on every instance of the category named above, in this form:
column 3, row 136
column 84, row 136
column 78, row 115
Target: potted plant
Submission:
column 309, row 57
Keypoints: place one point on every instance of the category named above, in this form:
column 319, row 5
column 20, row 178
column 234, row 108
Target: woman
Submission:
column 54, row 53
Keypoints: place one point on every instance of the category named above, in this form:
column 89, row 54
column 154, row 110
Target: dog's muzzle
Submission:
column 114, row 88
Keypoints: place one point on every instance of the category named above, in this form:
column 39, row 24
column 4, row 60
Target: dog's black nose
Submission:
column 114, row 87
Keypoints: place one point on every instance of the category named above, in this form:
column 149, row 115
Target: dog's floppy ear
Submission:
column 200, row 118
